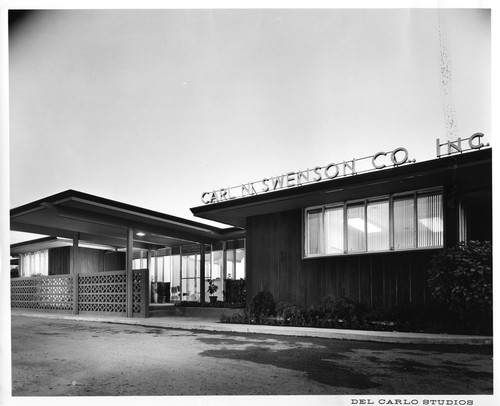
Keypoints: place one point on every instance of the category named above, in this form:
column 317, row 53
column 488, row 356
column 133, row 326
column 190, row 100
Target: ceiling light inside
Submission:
column 359, row 224
column 435, row 224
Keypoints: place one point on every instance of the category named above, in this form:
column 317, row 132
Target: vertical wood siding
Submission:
column 274, row 255
column 90, row 260
column 59, row 261
column 114, row 261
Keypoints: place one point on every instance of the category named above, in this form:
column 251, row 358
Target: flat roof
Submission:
column 473, row 167
column 106, row 222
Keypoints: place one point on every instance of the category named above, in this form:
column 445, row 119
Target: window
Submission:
column 334, row 220
column 377, row 225
column 356, row 228
column 430, row 221
column 314, row 231
column 395, row 222
column 34, row 263
column 404, row 222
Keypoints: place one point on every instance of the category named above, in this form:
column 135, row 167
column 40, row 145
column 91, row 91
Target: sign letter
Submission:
column 401, row 161
column 328, row 168
column 472, row 138
column 374, row 159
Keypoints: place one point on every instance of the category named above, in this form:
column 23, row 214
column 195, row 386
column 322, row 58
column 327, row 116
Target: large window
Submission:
column 395, row 222
column 34, row 263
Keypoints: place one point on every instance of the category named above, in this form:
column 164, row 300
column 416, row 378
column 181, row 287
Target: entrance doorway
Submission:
column 175, row 272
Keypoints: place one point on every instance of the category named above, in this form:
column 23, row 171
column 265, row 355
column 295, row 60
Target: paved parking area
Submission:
column 52, row 357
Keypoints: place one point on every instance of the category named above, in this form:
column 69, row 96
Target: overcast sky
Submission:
column 152, row 108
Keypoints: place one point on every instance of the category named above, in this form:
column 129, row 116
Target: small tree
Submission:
column 461, row 279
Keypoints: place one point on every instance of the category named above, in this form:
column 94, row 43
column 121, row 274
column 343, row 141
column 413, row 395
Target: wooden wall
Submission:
column 274, row 263
column 91, row 260
column 59, row 261
column 114, row 261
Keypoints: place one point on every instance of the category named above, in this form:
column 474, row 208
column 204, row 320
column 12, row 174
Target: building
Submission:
column 364, row 229
column 367, row 236
column 102, row 254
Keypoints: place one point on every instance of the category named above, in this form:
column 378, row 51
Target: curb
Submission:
column 188, row 323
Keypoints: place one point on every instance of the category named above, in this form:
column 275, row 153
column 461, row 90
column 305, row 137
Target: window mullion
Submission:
column 322, row 228
column 391, row 222
column 346, row 247
column 415, row 219
column 366, row 225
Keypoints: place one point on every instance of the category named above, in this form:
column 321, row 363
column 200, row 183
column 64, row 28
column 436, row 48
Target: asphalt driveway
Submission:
column 68, row 357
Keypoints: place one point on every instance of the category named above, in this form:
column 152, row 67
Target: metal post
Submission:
column 75, row 268
column 180, row 275
column 129, row 272
column 155, row 278
column 202, row 273
column 233, row 276
column 148, row 259
column 224, row 260
column 224, row 268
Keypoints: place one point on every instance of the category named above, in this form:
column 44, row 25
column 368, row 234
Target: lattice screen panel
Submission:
column 102, row 292
column 45, row 292
column 138, row 291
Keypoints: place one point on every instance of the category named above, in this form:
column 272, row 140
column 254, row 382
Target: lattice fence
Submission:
column 102, row 292
column 106, row 292
column 141, row 286
column 43, row 292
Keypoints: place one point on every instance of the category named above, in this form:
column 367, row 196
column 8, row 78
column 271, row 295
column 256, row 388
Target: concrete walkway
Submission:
column 192, row 323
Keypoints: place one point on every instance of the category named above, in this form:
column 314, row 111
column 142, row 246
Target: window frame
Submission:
column 389, row 198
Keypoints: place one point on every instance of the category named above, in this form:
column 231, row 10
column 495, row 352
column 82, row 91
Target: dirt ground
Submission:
column 63, row 357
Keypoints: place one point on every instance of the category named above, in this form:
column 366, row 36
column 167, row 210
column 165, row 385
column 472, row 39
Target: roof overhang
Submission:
column 105, row 222
column 53, row 242
column 472, row 169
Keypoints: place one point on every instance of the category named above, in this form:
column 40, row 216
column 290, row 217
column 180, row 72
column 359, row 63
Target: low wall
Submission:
column 42, row 293
column 96, row 293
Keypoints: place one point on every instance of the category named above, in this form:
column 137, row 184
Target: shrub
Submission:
column 295, row 315
column 218, row 304
column 262, row 305
column 415, row 318
column 342, row 312
column 461, row 279
column 236, row 318
column 286, row 312
column 336, row 312
column 235, row 291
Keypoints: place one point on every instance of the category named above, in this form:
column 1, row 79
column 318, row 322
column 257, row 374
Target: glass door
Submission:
column 190, row 277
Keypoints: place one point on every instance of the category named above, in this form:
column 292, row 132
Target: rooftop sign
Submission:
column 460, row 145
column 355, row 166
column 380, row 160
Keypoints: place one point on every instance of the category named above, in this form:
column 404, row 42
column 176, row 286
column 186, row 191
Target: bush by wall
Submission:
column 236, row 291
column 460, row 279
column 236, row 318
column 344, row 313
column 262, row 306
column 218, row 304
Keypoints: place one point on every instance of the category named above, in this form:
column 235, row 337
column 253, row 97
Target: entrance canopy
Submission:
column 103, row 222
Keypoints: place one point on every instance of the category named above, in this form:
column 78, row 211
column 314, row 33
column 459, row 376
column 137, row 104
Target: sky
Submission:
column 154, row 107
